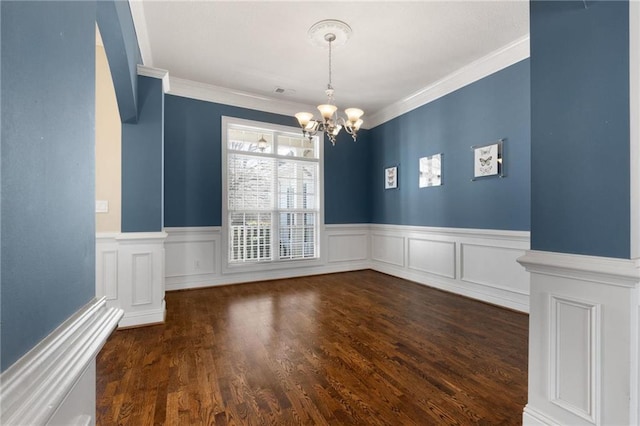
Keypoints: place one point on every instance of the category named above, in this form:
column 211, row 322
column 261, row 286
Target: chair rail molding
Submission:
column 54, row 383
column 583, row 339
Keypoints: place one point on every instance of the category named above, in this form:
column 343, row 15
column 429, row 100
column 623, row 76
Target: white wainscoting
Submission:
column 130, row 274
column 55, row 382
column 583, row 340
column 194, row 257
column 476, row 263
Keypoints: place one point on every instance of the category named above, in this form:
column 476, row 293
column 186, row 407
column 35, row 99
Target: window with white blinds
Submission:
column 272, row 193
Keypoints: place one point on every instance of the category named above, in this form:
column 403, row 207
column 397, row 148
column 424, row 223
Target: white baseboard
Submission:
column 55, row 381
column 147, row 317
column 532, row 417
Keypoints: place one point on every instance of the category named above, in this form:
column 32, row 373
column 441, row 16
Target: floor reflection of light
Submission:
column 269, row 318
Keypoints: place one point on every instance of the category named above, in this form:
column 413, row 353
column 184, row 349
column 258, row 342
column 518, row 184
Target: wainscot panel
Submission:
column 346, row 244
column 194, row 256
column 583, row 340
column 130, row 273
column 432, row 257
column 473, row 262
column 387, row 247
column 54, row 383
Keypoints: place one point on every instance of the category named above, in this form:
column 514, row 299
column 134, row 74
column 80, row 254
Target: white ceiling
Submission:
column 397, row 48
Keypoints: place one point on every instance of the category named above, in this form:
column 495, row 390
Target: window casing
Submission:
column 272, row 209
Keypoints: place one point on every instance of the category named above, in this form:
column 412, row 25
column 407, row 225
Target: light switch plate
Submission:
column 102, row 206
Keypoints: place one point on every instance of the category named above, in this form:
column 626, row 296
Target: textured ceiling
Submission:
column 396, row 49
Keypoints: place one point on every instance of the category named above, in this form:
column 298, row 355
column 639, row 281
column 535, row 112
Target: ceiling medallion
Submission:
column 330, row 32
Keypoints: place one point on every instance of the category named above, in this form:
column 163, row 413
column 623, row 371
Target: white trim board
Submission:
column 38, row 385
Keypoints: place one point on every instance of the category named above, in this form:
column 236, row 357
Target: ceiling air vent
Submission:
column 283, row 91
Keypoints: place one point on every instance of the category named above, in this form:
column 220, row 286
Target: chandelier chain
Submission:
column 330, row 86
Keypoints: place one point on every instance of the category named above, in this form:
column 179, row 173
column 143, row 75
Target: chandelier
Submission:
column 330, row 31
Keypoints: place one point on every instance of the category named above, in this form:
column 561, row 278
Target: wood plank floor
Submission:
column 357, row 348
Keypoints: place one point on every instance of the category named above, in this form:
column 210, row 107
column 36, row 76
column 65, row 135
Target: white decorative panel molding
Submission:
column 192, row 252
column 141, row 278
column 583, row 340
column 108, row 274
column 388, row 249
column 107, row 266
column 347, row 247
column 130, row 273
column 433, row 257
column 193, row 257
column 479, row 263
column 574, row 343
column 190, row 258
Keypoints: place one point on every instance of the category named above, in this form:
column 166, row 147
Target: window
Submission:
column 271, row 194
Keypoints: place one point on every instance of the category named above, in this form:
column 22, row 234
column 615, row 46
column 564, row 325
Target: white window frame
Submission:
column 234, row 267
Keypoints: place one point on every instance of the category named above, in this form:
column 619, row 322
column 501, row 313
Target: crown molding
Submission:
column 237, row 98
column 483, row 67
column 140, row 25
column 495, row 61
column 156, row 73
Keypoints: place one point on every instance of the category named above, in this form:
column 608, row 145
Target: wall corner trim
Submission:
column 36, row 385
column 156, row 73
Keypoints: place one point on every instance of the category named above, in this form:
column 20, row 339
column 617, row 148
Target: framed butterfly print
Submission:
column 487, row 160
column 391, row 177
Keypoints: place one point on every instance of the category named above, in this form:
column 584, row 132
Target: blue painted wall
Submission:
column 142, row 161
column 495, row 107
column 193, row 180
column 121, row 45
column 347, row 195
column 48, row 198
column 580, row 128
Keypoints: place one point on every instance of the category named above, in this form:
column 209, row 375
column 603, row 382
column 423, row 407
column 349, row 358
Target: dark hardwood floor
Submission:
column 343, row 349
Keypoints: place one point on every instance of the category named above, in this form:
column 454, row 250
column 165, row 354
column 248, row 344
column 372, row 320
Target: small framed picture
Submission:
column 487, row 160
column 430, row 171
column 391, row 177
